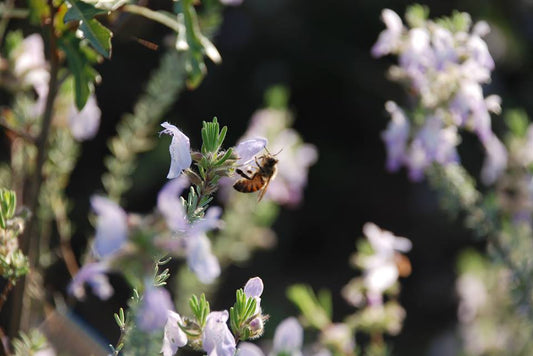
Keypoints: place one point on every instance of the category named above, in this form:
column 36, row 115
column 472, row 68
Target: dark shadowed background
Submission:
column 321, row 51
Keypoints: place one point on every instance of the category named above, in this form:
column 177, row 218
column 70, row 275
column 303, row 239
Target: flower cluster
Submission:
column 208, row 330
column 382, row 262
column 443, row 63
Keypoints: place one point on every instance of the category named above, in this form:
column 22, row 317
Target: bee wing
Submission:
column 263, row 190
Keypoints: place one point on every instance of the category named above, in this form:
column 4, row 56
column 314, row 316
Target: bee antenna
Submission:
column 275, row 154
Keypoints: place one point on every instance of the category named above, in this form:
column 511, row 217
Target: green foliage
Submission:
column 12, row 41
column 39, row 11
column 241, row 313
column 315, row 309
column 457, row 22
column 160, row 279
column 98, row 35
column 517, row 121
column 212, row 136
column 416, row 15
column 29, row 344
column 80, row 64
column 8, row 204
column 196, row 44
column 277, row 97
column 200, row 308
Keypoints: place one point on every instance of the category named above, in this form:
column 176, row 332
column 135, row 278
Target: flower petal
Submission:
column 169, row 204
column 174, row 337
column 254, row 287
column 180, row 150
column 217, row 339
column 153, row 312
column 247, row 150
column 111, row 228
column 288, row 337
column 94, row 275
column 201, row 260
column 249, row 349
column 84, row 124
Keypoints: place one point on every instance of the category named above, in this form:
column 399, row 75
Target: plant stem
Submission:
column 21, row 310
column 6, row 7
column 152, row 15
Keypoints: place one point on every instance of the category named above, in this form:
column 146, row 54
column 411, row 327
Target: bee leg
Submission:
column 242, row 174
column 258, row 165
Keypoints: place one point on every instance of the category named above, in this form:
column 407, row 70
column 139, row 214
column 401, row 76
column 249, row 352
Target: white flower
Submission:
column 174, row 337
column 390, row 39
column 30, row 63
column 380, row 270
column 180, row 150
column 111, row 227
column 84, row 124
column 217, row 339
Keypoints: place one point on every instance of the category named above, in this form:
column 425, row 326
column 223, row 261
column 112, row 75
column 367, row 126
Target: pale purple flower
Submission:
column 180, row 150
column 94, row 275
column 390, row 39
column 84, row 124
column 169, row 204
column 249, row 349
column 288, row 338
column 396, row 136
column 217, row 339
column 111, row 226
column 153, row 311
column 174, row 337
column 201, row 259
column 253, row 289
column 495, row 160
column 248, row 149
column 432, row 143
column 469, row 108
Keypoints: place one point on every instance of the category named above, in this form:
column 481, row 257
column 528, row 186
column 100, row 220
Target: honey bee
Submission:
column 260, row 178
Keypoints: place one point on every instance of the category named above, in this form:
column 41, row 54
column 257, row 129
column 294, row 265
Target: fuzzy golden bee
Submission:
column 259, row 178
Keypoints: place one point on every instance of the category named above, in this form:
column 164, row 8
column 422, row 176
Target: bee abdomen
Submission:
column 249, row 185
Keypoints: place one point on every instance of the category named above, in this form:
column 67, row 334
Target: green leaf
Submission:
column 80, row 66
column 81, row 11
column 97, row 34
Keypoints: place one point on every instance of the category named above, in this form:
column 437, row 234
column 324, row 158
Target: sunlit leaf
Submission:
column 97, row 34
